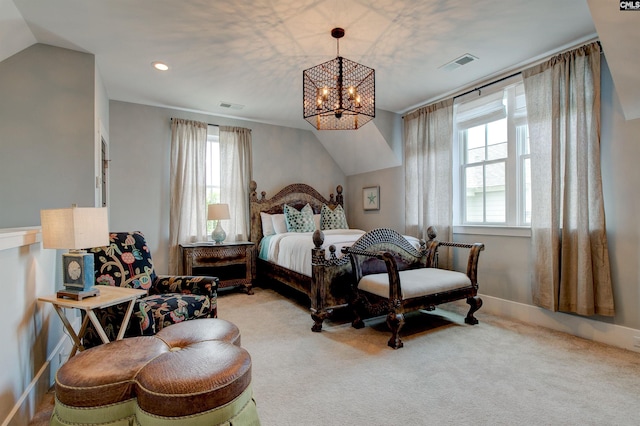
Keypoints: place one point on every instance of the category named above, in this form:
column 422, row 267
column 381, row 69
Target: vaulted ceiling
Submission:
column 252, row 53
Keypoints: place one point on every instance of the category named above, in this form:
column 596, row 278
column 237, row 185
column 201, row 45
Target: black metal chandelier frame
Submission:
column 339, row 94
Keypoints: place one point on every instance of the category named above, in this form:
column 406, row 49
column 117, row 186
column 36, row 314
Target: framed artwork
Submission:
column 371, row 198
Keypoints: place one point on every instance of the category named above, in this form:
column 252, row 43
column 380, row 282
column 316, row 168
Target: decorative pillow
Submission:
column 279, row 223
column 316, row 221
column 267, row 224
column 299, row 221
column 333, row 219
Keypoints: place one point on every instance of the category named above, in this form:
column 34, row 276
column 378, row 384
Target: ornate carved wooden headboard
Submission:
column 296, row 195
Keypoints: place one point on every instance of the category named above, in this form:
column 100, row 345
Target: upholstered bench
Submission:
column 191, row 373
column 393, row 277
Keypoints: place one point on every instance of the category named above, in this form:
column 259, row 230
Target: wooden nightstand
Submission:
column 234, row 263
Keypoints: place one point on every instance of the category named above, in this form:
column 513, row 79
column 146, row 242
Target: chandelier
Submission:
column 339, row 94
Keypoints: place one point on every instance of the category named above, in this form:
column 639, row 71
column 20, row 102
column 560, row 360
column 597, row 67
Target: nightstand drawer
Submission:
column 205, row 256
column 232, row 263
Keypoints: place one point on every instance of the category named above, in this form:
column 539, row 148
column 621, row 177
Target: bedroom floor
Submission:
column 499, row 372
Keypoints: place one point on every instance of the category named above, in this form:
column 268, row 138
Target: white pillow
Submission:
column 279, row 224
column 316, row 220
column 267, row 224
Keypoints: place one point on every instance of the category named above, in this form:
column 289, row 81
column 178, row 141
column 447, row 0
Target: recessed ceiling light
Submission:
column 161, row 66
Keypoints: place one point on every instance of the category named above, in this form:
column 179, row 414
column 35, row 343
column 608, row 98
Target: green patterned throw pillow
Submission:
column 333, row 219
column 299, row 221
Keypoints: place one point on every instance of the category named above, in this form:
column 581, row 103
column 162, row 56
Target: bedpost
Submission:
column 318, row 238
column 252, row 191
column 330, row 281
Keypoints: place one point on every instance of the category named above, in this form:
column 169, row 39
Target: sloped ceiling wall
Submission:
column 360, row 151
column 619, row 32
column 14, row 32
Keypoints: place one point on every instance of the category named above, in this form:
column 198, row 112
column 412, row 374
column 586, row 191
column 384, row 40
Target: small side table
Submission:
column 108, row 296
column 234, row 263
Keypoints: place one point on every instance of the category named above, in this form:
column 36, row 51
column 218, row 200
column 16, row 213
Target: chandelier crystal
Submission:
column 339, row 94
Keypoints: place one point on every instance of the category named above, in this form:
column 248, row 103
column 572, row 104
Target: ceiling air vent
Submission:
column 458, row 62
column 229, row 105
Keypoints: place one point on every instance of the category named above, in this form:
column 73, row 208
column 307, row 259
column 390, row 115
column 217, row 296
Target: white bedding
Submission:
column 292, row 250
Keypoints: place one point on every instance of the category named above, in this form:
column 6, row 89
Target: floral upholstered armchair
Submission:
column 126, row 262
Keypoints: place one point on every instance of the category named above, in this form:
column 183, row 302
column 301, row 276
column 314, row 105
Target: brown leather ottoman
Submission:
column 190, row 373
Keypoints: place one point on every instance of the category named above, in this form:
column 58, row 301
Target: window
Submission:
column 213, row 171
column 493, row 178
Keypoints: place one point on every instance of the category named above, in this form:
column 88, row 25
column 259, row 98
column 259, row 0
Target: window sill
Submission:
column 507, row 231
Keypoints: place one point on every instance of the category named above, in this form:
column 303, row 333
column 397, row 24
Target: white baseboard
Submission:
column 34, row 393
column 598, row 331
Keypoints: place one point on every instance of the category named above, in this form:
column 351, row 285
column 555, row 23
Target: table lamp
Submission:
column 76, row 229
column 218, row 212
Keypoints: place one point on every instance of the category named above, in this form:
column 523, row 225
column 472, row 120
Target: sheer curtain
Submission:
column 571, row 270
column 428, row 135
column 235, row 176
column 187, row 216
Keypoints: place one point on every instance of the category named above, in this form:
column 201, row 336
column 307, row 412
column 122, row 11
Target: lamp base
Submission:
column 77, row 294
column 218, row 235
column 77, row 271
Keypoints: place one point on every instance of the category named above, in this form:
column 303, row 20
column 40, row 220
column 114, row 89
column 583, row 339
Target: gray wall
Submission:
column 140, row 140
column 504, row 267
column 391, row 213
column 46, row 133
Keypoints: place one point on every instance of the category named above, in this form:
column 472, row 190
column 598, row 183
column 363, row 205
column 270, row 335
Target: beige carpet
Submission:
column 496, row 373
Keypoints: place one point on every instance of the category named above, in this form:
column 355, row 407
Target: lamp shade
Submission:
column 74, row 228
column 218, row 212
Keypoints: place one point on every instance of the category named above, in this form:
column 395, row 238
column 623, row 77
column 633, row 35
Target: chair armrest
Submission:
column 395, row 289
column 185, row 284
column 472, row 261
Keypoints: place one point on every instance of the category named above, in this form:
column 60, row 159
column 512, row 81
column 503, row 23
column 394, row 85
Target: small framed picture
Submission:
column 371, row 198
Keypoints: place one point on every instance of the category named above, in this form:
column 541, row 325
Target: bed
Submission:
column 321, row 272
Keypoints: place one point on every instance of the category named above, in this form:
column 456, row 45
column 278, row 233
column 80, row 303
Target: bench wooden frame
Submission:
column 386, row 251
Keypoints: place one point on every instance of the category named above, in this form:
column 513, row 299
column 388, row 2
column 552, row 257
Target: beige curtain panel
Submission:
column 235, row 177
column 188, row 210
column 428, row 135
column 571, row 270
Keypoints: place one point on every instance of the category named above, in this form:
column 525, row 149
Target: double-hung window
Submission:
column 212, row 165
column 492, row 179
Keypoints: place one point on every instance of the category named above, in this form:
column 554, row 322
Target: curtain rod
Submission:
column 522, row 67
column 488, row 84
column 208, row 124
column 503, row 79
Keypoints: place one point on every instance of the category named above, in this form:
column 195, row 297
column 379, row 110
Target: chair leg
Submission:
column 395, row 321
column 358, row 307
column 357, row 321
column 475, row 303
column 318, row 318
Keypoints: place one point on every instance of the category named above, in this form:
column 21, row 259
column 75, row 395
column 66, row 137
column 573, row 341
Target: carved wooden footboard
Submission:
column 328, row 287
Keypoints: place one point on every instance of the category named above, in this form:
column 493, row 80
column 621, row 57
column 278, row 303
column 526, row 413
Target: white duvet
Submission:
column 292, row 250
